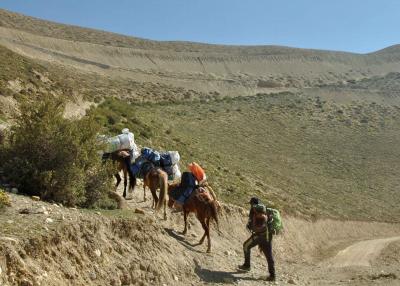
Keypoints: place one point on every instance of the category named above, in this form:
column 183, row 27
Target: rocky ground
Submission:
column 48, row 244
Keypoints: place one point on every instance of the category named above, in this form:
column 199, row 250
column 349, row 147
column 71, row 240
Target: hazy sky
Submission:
column 348, row 25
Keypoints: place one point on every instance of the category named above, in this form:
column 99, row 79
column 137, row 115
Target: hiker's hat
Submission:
column 260, row 208
column 254, row 201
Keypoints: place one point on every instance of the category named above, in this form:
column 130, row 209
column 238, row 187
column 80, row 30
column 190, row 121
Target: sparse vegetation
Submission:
column 52, row 157
column 288, row 150
column 4, row 200
column 23, row 77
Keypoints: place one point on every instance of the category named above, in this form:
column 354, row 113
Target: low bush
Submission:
column 1, row 136
column 4, row 199
column 53, row 157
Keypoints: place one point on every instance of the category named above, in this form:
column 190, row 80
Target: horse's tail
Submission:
column 163, row 180
column 132, row 177
column 132, row 180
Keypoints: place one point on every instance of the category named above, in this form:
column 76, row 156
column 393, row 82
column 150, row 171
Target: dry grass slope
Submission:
column 304, row 155
column 22, row 76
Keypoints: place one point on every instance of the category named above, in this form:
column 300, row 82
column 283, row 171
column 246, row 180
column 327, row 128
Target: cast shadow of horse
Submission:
column 213, row 276
column 182, row 240
column 222, row 277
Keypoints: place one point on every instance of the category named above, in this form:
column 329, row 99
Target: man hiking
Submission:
column 261, row 235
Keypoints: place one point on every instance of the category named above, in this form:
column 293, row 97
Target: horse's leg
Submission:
column 165, row 209
column 154, row 194
column 118, row 177
column 208, row 235
column 204, row 225
column 144, row 191
column 185, row 215
column 125, row 182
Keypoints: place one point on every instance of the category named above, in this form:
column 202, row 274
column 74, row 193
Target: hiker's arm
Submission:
column 248, row 226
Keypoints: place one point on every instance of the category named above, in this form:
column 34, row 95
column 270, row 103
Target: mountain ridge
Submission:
column 211, row 70
column 11, row 20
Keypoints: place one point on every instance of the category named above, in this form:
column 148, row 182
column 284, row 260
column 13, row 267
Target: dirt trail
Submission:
column 361, row 253
column 297, row 251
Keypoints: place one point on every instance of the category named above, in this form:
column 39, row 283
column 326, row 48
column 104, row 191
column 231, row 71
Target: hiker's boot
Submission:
column 244, row 267
column 271, row 278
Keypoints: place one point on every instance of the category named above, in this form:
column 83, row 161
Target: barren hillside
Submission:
column 312, row 133
column 339, row 118
column 211, row 69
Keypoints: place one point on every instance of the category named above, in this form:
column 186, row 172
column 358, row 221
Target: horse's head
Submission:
column 170, row 202
column 171, row 188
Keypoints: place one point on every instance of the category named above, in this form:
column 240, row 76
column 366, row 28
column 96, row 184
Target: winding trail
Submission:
column 361, row 253
column 220, row 267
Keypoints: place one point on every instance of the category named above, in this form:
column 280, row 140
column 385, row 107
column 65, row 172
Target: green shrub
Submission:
column 2, row 136
column 4, row 199
column 55, row 158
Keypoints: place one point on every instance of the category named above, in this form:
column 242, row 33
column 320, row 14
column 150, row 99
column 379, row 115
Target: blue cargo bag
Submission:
column 187, row 186
column 151, row 155
column 165, row 160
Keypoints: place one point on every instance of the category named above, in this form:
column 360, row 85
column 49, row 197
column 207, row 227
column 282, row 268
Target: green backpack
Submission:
column 276, row 224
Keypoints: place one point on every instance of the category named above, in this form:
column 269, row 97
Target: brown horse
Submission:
column 146, row 184
column 119, row 161
column 202, row 204
column 155, row 178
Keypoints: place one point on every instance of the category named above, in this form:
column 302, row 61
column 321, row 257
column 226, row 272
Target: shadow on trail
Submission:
column 182, row 240
column 228, row 277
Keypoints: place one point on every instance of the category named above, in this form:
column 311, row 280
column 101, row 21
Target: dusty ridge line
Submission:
column 361, row 253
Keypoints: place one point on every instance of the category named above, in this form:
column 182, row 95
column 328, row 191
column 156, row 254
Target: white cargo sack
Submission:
column 134, row 154
column 126, row 140
column 113, row 144
column 176, row 172
column 175, row 157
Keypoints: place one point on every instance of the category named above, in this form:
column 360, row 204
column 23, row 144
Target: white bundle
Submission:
column 176, row 172
column 113, row 144
column 126, row 140
column 175, row 157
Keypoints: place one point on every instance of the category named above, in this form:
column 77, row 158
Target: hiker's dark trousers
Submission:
column 264, row 240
